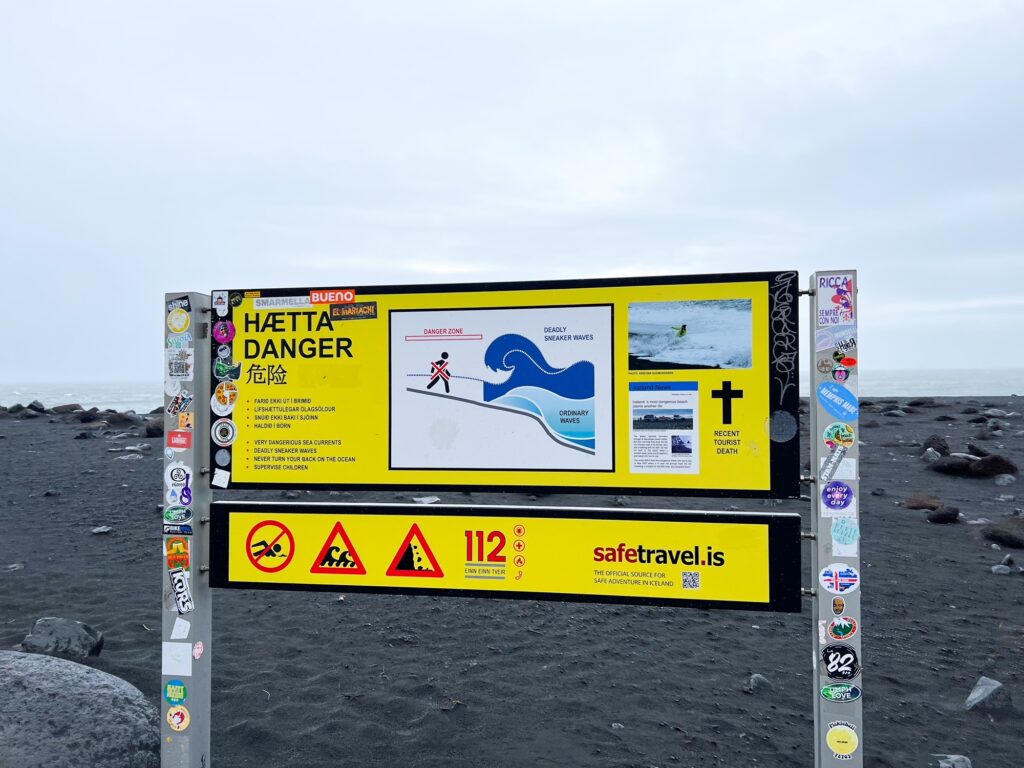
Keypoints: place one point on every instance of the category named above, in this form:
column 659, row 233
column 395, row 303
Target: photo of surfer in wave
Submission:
column 669, row 335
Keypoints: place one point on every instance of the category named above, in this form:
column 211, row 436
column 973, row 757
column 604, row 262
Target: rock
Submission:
column 922, row 502
column 159, row 409
column 118, row 419
column 951, row 465
column 930, row 455
column 155, row 428
column 1005, row 480
column 36, row 406
column 921, row 402
column 1008, row 560
column 943, row 515
column 1001, row 570
column 870, row 423
column 990, row 466
column 129, row 457
column 51, row 492
column 290, row 494
column 977, row 450
column 756, row 682
column 68, row 408
column 63, row 637
column 45, row 716
column 16, row 408
column 100, row 529
column 969, row 410
column 87, row 416
column 84, row 436
column 988, row 694
column 617, row 726
column 953, row 761
column 1004, row 497
column 945, row 417
column 992, row 413
column 13, row 567
column 977, row 420
column 938, row 443
column 1009, row 532
column 621, row 501
column 29, row 413
column 894, row 414
column 878, row 491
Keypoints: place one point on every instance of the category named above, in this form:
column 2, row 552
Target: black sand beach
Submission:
column 308, row 679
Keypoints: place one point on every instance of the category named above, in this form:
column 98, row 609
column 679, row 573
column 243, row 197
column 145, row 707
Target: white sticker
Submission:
column 181, row 364
column 830, row 512
column 220, row 303
column 180, row 629
column 847, row 469
column 177, row 659
column 221, row 477
column 846, row 537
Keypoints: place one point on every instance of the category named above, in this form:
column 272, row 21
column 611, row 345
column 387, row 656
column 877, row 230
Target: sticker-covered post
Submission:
column 185, row 633
column 835, row 503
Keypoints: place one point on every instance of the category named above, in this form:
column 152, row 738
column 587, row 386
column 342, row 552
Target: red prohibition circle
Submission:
column 255, row 559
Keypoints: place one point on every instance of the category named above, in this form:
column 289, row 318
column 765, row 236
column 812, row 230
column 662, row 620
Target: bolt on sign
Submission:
column 679, row 385
column 703, row 559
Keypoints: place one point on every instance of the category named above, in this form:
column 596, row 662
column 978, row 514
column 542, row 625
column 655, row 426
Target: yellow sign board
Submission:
column 708, row 559
column 680, row 385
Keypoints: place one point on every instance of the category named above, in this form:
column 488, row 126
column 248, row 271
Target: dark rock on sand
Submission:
column 67, row 638
column 85, row 436
column 943, row 515
column 922, row 502
column 29, row 413
column 757, row 682
column 155, row 428
column 36, row 406
column 15, row 409
column 992, row 465
column 921, row 402
column 951, row 465
column 67, row 408
column 60, row 714
column 938, row 443
column 977, row 450
column 87, row 416
column 945, row 417
column 51, row 492
column 1009, row 532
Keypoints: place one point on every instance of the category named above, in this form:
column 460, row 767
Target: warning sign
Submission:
column 270, row 546
column 706, row 559
column 338, row 556
column 415, row 558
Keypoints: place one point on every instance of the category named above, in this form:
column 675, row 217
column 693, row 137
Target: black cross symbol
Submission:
column 726, row 395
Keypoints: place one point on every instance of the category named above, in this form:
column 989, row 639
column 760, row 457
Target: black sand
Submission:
column 303, row 679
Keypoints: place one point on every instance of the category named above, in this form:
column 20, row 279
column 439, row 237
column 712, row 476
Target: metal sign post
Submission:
column 835, row 558
column 187, row 597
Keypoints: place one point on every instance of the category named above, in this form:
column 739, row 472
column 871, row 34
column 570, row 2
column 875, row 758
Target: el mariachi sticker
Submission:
column 178, row 718
column 838, row 433
column 839, row 578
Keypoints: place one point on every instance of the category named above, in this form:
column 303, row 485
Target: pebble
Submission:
column 757, row 681
column 13, row 567
column 953, row 761
column 943, row 515
column 1005, row 479
column 930, row 455
column 1000, row 570
column 986, row 692
column 426, row 499
column 51, row 492
column 102, row 529
column 618, row 726
column 878, row 491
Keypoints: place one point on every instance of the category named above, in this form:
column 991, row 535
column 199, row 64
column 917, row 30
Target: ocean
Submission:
column 144, row 396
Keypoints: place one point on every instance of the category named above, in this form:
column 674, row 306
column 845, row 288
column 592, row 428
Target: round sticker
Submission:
column 849, row 362
column 842, row 628
column 175, row 692
column 837, row 495
column 178, row 320
column 837, row 434
column 176, row 475
column 824, row 366
column 839, row 578
column 842, row 739
column 235, row 299
column 172, row 387
column 178, row 718
column 222, row 457
column 223, row 331
column 224, row 398
column 840, row 372
column 224, row 351
column 224, row 432
column 840, row 662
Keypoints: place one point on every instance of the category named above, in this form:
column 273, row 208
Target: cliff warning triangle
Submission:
column 414, row 557
column 337, row 555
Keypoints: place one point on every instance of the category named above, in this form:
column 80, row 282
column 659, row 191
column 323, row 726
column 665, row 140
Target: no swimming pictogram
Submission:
column 270, row 546
column 338, row 555
column 414, row 557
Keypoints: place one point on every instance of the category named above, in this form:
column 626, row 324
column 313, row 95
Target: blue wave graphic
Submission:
column 515, row 353
column 570, row 419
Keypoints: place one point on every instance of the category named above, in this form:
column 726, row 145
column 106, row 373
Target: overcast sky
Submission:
column 181, row 146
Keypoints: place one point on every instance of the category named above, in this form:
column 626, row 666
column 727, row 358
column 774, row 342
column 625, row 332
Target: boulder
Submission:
column 922, row 502
column 992, row 465
column 921, row 402
column 950, row 465
column 68, row 408
column 60, row 714
column 943, row 515
column 1008, row 533
column 988, row 694
column 977, row 450
column 63, row 637
column 938, row 443
column 16, row 408
column 36, row 406
column 29, row 413
column 1004, row 480
column 154, row 428
column 945, row 417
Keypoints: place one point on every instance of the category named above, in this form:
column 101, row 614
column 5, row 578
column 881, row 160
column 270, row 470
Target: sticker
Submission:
column 224, row 397
column 197, row 650
column 831, row 463
column 176, row 550
column 335, row 296
column 220, row 302
column 839, row 578
column 177, row 515
column 840, row 373
column 823, row 340
column 180, row 629
column 223, row 331
column 178, row 530
column 270, row 546
column 220, row 479
column 824, row 366
column 222, row 457
column 179, row 341
column 840, row 661
column 178, row 718
column 835, row 300
column 838, row 606
column 838, row 433
column 181, row 303
column 179, row 440
column 414, row 557
column 224, row 371
column 171, row 387
column 180, row 364
column 176, row 477
column 838, row 400
column 842, row 739
column 837, row 495
column 224, row 432
column 362, row 310
column 842, row 627
column 178, row 321
column 845, row 469
column 224, row 352
column 179, row 402
column 175, row 692
column 845, row 537
column 821, row 632
column 235, row 298
column 186, row 420
column 176, row 659
column 841, row 693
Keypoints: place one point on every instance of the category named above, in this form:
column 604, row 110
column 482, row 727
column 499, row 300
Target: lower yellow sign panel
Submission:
column 706, row 559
